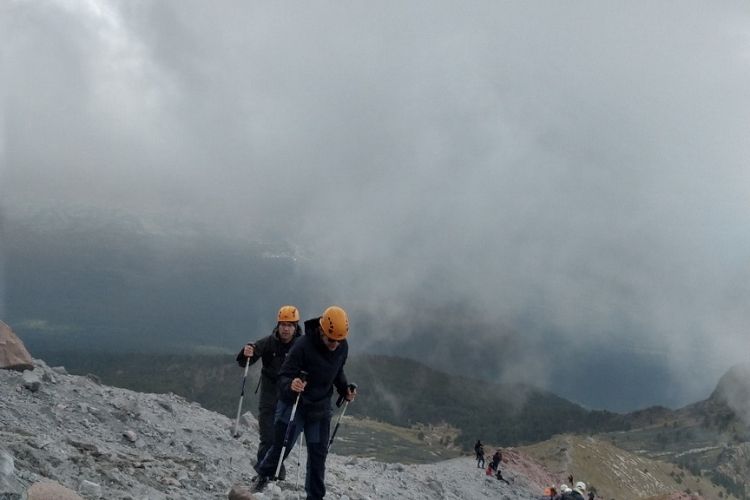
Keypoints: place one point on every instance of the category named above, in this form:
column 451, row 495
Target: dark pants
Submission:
column 317, row 433
column 266, row 415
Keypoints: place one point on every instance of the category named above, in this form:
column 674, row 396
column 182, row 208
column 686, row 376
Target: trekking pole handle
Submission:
column 340, row 400
column 251, row 344
column 298, row 382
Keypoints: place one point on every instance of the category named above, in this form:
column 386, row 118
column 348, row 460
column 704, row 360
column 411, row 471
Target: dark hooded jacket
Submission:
column 572, row 495
column 273, row 352
column 325, row 370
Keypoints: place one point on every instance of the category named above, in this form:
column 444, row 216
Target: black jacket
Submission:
column 573, row 495
column 273, row 352
column 325, row 371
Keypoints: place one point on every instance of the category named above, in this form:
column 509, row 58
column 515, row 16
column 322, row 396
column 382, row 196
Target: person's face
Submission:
column 286, row 331
column 331, row 344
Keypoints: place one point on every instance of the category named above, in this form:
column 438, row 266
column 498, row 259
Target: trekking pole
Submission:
column 289, row 427
column 239, row 406
column 351, row 387
column 299, row 459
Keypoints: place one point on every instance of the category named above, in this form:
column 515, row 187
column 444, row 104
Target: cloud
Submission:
column 577, row 167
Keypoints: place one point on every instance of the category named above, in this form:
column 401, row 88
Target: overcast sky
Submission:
column 583, row 163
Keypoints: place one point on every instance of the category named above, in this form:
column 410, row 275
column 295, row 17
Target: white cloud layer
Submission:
column 583, row 162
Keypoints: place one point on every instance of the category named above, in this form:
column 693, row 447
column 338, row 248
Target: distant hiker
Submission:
column 580, row 488
column 494, row 466
column 592, row 495
column 496, row 459
column 576, row 493
column 499, row 476
column 322, row 353
column 479, row 450
column 272, row 349
column 564, row 488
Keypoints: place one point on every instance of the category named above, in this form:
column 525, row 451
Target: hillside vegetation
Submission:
column 709, row 438
column 616, row 473
column 706, row 440
column 393, row 390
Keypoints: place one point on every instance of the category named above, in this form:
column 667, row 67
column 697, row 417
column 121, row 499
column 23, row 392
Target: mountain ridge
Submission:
column 117, row 279
column 106, row 442
column 703, row 438
column 430, row 397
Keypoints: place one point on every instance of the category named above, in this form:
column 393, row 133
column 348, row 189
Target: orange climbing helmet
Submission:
column 288, row 314
column 334, row 323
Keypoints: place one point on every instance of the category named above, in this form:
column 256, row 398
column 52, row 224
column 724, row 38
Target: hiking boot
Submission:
column 258, row 483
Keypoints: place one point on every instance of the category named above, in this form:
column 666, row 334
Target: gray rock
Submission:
column 7, row 464
column 85, row 446
column 10, row 487
column 167, row 406
column 90, row 489
column 31, row 381
column 170, row 481
column 239, row 492
column 248, row 420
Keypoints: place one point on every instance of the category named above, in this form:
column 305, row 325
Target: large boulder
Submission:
column 13, row 354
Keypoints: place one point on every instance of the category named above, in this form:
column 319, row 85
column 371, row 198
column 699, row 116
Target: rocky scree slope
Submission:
column 105, row 442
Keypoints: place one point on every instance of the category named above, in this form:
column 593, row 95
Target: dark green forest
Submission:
column 395, row 390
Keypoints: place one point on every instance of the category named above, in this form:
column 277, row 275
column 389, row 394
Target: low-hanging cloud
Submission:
column 583, row 165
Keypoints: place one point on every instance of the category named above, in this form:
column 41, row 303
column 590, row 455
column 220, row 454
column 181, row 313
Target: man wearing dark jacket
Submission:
column 322, row 353
column 496, row 459
column 479, row 451
column 272, row 350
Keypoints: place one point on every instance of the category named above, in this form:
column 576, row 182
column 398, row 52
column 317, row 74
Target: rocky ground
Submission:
column 105, row 442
